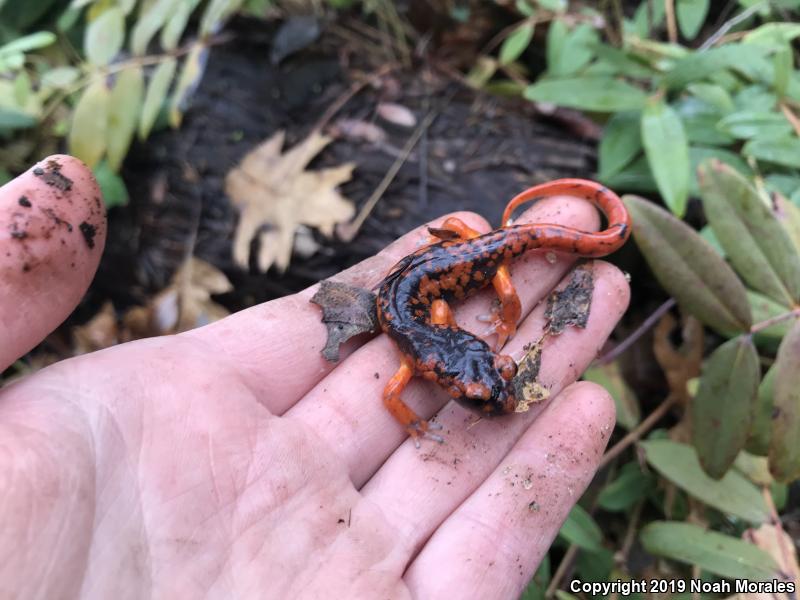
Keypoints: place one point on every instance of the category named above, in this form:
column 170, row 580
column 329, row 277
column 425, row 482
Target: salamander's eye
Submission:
column 506, row 366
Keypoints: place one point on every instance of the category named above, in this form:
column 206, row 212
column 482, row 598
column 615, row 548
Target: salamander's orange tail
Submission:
column 570, row 239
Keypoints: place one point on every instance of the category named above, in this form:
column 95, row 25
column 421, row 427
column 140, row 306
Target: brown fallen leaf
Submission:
column 276, row 195
column 186, row 303
column 527, row 387
column 101, row 331
column 347, row 310
column 570, row 306
column 183, row 305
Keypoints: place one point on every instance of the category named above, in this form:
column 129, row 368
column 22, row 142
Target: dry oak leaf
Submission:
column 276, row 194
column 187, row 302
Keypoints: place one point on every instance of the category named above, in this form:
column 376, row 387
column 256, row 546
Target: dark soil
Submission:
column 478, row 152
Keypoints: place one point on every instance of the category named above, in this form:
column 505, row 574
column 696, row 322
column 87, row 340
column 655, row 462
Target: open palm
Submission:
column 233, row 461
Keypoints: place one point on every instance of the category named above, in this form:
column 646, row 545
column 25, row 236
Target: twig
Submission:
column 348, row 231
column 791, row 117
column 423, row 156
column 648, row 323
column 773, row 320
column 643, row 427
column 565, row 564
column 630, row 533
column 732, row 22
column 672, row 28
column 349, row 93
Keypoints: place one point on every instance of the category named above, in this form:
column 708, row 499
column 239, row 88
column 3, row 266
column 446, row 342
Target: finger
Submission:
column 345, row 409
column 442, row 476
column 52, row 233
column 491, row 545
column 276, row 346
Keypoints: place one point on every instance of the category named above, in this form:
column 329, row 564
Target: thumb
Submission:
column 52, row 233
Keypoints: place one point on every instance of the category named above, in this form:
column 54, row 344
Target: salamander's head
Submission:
column 487, row 389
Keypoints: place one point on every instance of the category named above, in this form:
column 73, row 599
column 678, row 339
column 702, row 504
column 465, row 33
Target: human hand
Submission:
column 233, row 461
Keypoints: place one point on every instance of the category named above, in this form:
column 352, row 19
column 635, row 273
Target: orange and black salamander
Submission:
column 413, row 309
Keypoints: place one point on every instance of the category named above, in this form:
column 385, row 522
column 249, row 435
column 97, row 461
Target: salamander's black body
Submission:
column 457, row 357
column 414, row 299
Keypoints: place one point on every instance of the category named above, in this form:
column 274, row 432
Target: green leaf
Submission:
column 700, row 65
column 782, row 185
column 648, row 16
column 760, row 432
column 514, row 45
column 104, row 36
column 691, row 15
column 600, row 94
column 784, row 151
column 481, row 72
column 26, row 43
column 14, row 119
column 755, row 124
column 783, row 64
column 112, row 187
column 755, row 242
column 772, row 35
column 788, row 213
column 714, row 95
column 581, row 530
column 505, row 88
column 714, row 552
column 156, row 95
column 764, row 308
column 60, row 77
column 594, row 566
column 557, row 6
column 614, row 61
column 189, row 79
column 733, row 494
column 622, row 141
column 175, row 26
column 538, row 585
column 87, row 135
column 630, row 486
column 755, row 468
column 123, row 114
column 701, row 129
column 569, row 51
column 722, row 410
column 689, row 268
column 217, row 11
column 698, row 156
column 609, row 376
column 635, row 177
column 152, row 19
column 754, row 98
column 667, row 151
column 784, row 447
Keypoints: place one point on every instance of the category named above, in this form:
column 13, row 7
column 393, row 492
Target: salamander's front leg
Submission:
column 415, row 425
column 504, row 319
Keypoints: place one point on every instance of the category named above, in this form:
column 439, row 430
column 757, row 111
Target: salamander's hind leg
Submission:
column 416, row 426
column 505, row 317
column 441, row 313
